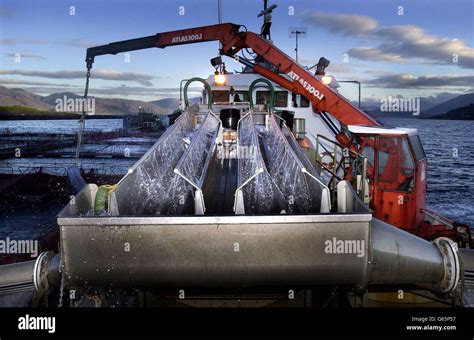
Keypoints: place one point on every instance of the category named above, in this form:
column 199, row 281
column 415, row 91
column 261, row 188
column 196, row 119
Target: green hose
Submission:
column 102, row 198
column 206, row 85
column 272, row 92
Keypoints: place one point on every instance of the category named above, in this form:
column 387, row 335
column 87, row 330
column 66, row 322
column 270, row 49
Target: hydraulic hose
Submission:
column 272, row 92
column 102, row 198
column 207, row 87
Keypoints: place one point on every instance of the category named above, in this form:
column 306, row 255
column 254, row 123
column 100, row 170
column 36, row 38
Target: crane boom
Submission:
column 300, row 81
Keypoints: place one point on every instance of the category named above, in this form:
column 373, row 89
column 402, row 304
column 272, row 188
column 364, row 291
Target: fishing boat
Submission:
column 275, row 191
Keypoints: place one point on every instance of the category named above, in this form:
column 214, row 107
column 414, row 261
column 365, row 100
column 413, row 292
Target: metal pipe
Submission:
column 17, row 275
column 402, row 258
column 467, row 257
column 219, row 12
column 39, row 274
column 353, row 82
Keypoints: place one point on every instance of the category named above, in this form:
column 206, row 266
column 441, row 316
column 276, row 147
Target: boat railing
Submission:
column 333, row 158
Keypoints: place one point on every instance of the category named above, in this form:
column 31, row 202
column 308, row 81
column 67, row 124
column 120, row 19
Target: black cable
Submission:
column 329, row 125
column 330, row 121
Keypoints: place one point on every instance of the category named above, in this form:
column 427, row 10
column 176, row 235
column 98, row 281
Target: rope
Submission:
column 80, row 134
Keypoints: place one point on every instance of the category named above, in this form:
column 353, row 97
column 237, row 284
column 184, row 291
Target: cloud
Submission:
column 408, row 81
column 442, row 97
column 378, row 73
column 345, row 24
column 141, row 91
column 143, row 79
column 8, row 41
column 375, row 54
column 117, row 91
column 332, row 68
column 8, row 81
column 79, row 42
column 411, row 41
column 13, row 41
column 28, row 55
column 395, row 44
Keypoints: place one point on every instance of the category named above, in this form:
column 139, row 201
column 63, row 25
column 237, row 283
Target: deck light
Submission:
column 326, row 80
column 219, row 79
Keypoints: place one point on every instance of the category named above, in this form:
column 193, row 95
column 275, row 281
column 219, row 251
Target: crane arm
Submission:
column 301, row 81
column 227, row 34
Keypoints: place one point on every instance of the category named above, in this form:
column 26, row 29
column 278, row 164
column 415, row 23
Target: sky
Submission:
column 395, row 48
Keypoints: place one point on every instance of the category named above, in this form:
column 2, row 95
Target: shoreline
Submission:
column 57, row 117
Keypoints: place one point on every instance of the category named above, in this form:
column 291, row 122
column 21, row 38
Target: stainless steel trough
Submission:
column 282, row 232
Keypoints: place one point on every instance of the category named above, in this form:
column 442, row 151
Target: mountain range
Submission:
column 173, row 103
column 429, row 106
column 112, row 106
column 451, row 104
column 461, row 113
column 117, row 106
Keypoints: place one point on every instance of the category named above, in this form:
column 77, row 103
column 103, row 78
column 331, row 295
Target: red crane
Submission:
column 397, row 171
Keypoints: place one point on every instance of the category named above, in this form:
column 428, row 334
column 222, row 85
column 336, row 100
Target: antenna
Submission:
column 219, row 18
column 296, row 32
column 267, row 19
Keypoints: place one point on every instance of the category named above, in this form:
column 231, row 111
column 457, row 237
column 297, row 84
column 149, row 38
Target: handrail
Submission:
column 338, row 163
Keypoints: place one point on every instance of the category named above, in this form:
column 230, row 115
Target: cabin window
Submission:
column 368, row 151
column 408, row 164
column 417, row 147
column 241, row 96
column 396, row 167
column 220, row 96
column 281, row 98
column 304, row 102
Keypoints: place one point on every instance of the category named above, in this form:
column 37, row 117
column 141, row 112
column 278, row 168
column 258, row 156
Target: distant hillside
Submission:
column 113, row 106
column 173, row 103
column 18, row 112
column 19, row 97
column 22, row 110
column 429, row 107
column 374, row 109
column 461, row 113
column 454, row 103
